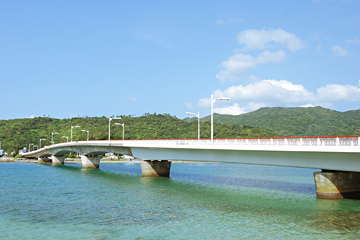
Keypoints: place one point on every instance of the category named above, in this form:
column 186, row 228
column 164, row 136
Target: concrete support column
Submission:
column 58, row 159
column 155, row 168
column 43, row 160
column 336, row 184
column 90, row 161
column 40, row 160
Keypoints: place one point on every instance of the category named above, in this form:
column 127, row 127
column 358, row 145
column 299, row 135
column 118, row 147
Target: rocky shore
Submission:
column 5, row 159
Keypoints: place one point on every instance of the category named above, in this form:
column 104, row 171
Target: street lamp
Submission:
column 52, row 137
column 67, row 138
column 110, row 118
column 198, row 116
column 87, row 133
column 40, row 141
column 37, row 147
column 212, row 115
column 71, row 131
column 123, row 125
column 30, row 145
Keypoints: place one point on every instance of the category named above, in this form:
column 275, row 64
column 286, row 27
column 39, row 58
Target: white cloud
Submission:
column 133, row 99
column 338, row 51
column 235, row 109
column 309, row 105
column 337, row 92
column 232, row 110
column 33, row 116
column 268, row 57
column 270, row 93
column 238, row 64
column 261, row 39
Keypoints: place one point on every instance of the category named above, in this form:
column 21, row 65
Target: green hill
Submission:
column 297, row 121
column 18, row 133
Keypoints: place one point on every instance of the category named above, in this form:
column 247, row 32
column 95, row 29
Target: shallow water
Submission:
column 198, row 201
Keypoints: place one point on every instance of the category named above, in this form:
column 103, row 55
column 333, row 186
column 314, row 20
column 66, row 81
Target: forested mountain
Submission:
column 18, row 133
column 297, row 121
column 317, row 121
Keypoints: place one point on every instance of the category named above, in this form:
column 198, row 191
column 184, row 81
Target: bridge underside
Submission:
column 314, row 160
column 340, row 176
column 82, row 150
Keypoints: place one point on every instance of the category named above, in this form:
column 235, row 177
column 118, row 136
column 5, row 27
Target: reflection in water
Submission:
column 334, row 216
column 249, row 182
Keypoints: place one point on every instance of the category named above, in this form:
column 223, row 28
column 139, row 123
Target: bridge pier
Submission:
column 337, row 184
column 90, row 161
column 58, row 159
column 155, row 168
column 44, row 160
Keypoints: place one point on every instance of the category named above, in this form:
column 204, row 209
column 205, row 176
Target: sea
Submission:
column 197, row 201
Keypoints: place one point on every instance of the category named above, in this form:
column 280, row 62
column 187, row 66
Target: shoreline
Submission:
column 75, row 160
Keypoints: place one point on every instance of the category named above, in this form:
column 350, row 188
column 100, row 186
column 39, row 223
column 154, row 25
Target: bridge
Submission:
column 338, row 157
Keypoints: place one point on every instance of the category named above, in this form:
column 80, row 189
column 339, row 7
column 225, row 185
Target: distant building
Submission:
column 24, row 150
column 114, row 156
column 2, row 153
column 111, row 156
column 127, row 157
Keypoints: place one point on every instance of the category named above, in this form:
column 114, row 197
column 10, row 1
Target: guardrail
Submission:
column 292, row 141
column 352, row 141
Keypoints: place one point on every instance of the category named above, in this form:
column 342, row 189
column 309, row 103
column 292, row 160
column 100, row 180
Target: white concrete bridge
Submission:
column 338, row 157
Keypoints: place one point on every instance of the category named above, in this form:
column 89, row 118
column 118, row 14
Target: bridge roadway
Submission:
column 338, row 157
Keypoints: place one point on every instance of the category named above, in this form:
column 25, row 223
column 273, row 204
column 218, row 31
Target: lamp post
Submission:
column 67, row 138
column 198, row 116
column 37, row 147
column 71, row 131
column 123, row 125
column 87, row 133
column 52, row 137
column 30, row 145
column 110, row 118
column 40, row 141
column 212, row 115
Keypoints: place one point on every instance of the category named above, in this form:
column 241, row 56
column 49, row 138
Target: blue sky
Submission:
column 101, row 58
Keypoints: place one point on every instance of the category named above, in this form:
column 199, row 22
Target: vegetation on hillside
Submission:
column 297, row 121
column 317, row 121
column 18, row 133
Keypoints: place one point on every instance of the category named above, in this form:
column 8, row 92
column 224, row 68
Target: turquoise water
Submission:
column 198, row 201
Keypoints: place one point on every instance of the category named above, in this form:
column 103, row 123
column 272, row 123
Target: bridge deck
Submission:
column 334, row 153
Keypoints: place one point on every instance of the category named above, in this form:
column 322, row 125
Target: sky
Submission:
column 100, row 58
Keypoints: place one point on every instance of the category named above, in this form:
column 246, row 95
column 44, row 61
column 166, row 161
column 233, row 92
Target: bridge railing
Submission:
column 295, row 141
column 350, row 141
